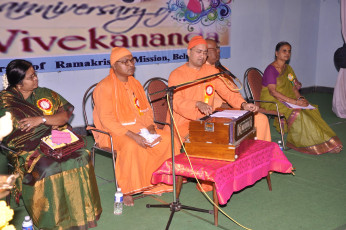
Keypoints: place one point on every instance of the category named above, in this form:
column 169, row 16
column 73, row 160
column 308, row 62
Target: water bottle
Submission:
column 118, row 202
column 280, row 145
column 27, row 223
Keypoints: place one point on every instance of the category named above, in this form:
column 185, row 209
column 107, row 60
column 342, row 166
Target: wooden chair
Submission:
column 252, row 88
column 88, row 95
column 157, row 101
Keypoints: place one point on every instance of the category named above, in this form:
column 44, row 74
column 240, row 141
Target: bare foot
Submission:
column 128, row 200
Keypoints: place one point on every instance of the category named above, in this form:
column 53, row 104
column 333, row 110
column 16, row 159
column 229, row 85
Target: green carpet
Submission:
column 315, row 198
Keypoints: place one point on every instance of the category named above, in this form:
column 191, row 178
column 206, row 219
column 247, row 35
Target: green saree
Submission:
column 307, row 131
column 57, row 194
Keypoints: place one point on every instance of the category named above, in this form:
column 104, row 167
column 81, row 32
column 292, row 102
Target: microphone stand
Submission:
column 176, row 206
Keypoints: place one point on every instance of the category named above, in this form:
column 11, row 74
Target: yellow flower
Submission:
column 6, row 214
column 9, row 227
column 290, row 77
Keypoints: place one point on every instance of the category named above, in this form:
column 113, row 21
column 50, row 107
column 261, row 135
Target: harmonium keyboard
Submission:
column 218, row 136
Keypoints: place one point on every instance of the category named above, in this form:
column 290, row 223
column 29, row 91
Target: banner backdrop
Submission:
column 79, row 34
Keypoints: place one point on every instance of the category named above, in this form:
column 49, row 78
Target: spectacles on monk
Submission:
column 128, row 61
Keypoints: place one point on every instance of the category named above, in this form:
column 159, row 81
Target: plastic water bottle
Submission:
column 118, row 202
column 280, row 145
column 27, row 223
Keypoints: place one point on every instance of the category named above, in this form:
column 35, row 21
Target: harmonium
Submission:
column 218, row 136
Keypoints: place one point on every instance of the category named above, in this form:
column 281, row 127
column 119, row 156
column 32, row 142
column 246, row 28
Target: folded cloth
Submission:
column 150, row 138
column 59, row 137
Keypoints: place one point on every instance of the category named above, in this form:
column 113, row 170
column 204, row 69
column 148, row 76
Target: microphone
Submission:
column 222, row 68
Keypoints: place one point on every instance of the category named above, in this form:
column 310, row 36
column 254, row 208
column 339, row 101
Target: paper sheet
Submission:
column 151, row 138
column 229, row 113
column 293, row 106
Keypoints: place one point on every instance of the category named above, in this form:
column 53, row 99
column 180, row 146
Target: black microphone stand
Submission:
column 176, row 206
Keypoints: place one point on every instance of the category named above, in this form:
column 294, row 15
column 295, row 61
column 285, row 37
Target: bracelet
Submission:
column 301, row 97
column 43, row 119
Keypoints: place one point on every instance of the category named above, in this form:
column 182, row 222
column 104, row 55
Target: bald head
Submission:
column 213, row 51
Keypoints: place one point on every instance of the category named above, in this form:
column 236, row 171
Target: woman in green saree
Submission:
column 57, row 194
column 307, row 131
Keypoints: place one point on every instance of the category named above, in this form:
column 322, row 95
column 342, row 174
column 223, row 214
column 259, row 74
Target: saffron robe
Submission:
column 134, row 164
column 185, row 98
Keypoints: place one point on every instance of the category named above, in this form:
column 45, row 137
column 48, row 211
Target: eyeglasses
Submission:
column 216, row 48
column 31, row 77
column 128, row 61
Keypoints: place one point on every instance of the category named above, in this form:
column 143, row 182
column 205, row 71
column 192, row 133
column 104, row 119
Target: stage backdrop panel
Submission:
column 79, row 34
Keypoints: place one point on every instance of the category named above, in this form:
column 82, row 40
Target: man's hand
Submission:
column 204, row 108
column 151, row 129
column 138, row 139
column 250, row 107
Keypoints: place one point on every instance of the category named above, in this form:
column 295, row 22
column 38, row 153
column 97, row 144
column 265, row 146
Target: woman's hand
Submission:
column 302, row 102
column 29, row 123
column 249, row 107
column 204, row 108
column 297, row 84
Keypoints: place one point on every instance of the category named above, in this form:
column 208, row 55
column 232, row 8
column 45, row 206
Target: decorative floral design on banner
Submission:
column 206, row 12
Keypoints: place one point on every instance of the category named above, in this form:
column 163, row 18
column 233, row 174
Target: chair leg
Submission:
column 93, row 155
column 115, row 178
column 282, row 134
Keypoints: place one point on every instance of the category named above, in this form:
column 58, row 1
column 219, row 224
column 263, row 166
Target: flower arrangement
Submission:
column 4, row 81
column 6, row 214
column 5, row 123
column 6, row 182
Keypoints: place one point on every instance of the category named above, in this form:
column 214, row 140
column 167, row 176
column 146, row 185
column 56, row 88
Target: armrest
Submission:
column 278, row 114
column 91, row 128
column 272, row 102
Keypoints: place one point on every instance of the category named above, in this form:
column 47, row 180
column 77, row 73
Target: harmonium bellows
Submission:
column 218, row 137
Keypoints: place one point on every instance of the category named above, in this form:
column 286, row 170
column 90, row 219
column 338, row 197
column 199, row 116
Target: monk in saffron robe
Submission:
column 121, row 108
column 195, row 101
column 261, row 120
